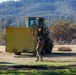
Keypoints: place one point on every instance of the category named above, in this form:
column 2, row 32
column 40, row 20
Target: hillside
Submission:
column 53, row 9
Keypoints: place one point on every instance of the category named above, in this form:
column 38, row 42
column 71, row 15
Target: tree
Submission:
column 63, row 31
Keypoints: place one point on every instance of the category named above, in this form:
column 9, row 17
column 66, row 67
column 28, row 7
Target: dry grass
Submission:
column 27, row 58
column 64, row 49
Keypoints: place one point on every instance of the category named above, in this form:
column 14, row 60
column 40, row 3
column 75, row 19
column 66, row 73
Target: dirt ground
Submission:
column 25, row 58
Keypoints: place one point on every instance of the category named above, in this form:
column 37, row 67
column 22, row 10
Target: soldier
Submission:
column 39, row 49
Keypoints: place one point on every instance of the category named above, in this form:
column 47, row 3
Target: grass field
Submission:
column 57, row 63
column 40, row 72
column 39, row 68
column 24, row 71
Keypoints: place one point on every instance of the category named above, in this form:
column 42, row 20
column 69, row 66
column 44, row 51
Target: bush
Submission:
column 64, row 49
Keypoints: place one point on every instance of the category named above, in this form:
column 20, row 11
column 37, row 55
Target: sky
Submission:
column 5, row 0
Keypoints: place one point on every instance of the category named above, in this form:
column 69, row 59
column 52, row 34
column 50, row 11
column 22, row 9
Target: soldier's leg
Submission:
column 37, row 55
column 41, row 59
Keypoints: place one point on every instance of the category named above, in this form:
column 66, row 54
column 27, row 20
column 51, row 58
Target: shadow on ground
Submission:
column 59, row 54
column 46, row 55
column 37, row 67
column 6, row 63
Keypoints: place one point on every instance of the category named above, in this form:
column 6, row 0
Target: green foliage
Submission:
column 39, row 72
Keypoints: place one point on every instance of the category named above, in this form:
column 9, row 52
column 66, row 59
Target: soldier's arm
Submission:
column 37, row 47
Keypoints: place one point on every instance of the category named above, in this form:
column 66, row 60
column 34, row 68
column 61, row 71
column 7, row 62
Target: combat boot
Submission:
column 41, row 59
column 37, row 59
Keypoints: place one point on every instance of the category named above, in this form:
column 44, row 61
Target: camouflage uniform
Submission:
column 39, row 49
